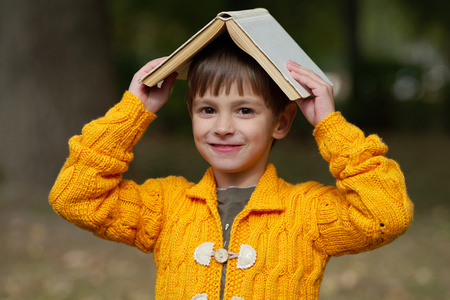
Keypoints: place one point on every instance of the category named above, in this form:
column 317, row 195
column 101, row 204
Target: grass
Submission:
column 43, row 257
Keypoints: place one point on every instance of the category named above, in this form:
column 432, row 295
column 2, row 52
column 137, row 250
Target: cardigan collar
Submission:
column 264, row 198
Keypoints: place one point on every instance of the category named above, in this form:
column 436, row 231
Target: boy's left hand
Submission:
column 321, row 104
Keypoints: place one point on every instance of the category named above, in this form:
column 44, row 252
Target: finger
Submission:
column 310, row 74
column 166, row 87
column 307, row 108
column 302, row 102
column 292, row 65
column 135, row 85
column 299, row 69
column 315, row 83
column 150, row 66
column 153, row 63
column 307, row 80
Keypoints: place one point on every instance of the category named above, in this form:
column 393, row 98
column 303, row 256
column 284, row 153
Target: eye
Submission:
column 246, row 111
column 207, row 110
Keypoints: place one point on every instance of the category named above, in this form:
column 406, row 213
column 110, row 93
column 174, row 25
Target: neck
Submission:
column 238, row 179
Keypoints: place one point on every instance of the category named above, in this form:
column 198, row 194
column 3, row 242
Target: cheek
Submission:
column 197, row 137
column 260, row 131
column 199, row 128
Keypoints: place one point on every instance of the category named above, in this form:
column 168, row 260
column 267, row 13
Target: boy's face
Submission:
column 234, row 134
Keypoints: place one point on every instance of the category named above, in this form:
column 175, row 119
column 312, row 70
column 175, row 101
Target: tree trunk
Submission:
column 55, row 75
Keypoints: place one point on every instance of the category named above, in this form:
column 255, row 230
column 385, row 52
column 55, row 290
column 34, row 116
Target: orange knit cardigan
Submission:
column 293, row 229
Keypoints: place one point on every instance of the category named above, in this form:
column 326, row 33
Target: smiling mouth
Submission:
column 225, row 147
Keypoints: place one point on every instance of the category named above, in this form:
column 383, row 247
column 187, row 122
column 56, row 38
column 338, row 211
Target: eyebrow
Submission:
column 238, row 102
column 202, row 101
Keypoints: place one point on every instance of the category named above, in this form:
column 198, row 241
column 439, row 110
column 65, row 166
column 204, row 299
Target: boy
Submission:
column 274, row 238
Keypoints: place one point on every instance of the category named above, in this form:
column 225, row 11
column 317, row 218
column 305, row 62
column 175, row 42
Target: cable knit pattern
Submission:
column 293, row 228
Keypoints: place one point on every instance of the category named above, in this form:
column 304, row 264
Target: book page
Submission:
column 246, row 44
column 277, row 45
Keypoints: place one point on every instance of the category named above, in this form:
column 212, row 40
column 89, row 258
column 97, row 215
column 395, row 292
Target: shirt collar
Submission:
column 264, row 198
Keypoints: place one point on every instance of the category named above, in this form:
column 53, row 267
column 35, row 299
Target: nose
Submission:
column 224, row 125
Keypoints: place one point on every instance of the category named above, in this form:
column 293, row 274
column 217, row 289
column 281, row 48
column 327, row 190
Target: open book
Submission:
column 257, row 33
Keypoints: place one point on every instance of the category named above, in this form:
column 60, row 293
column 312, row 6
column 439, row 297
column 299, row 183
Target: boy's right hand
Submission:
column 153, row 98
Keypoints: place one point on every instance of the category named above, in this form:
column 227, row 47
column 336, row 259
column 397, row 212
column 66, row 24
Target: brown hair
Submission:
column 221, row 64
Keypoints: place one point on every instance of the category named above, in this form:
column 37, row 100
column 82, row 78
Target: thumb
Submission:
column 167, row 85
column 307, row 107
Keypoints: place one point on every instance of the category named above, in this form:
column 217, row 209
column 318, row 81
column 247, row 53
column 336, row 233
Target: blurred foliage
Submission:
column 403, row 64
column 390, row 57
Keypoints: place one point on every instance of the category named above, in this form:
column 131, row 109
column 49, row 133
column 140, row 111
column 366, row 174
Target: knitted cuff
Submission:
column 133, row 107
column 118, row 131
column 334, row 135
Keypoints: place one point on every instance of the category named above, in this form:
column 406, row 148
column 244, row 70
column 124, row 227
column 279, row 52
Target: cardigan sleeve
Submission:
column 89, row 191
column 370, row 206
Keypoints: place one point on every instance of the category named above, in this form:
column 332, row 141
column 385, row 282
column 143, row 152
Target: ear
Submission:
column 284, row 121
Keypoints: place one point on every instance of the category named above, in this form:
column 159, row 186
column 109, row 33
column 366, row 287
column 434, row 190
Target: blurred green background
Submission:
column 64, row 63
